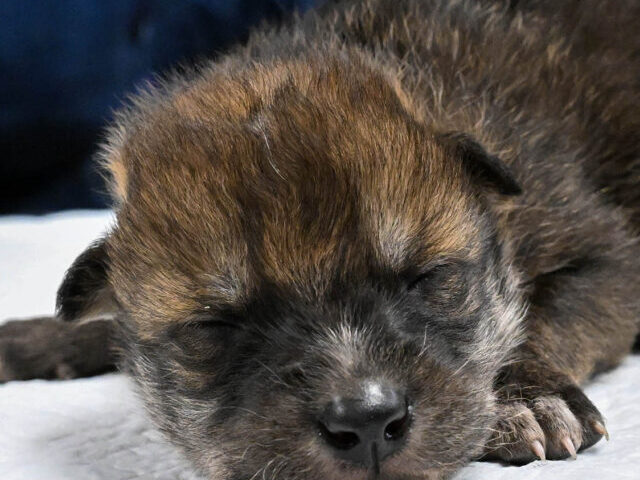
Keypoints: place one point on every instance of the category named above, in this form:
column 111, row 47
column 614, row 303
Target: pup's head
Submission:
column 310, row 281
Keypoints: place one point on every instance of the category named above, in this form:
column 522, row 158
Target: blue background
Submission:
column 66, row 64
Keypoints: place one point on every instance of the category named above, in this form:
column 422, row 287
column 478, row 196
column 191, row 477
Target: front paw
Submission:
column 550, row 426
column 34, row 349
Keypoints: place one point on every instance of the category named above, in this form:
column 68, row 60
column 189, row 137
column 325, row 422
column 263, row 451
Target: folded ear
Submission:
column 85, row 293
column 483, row 167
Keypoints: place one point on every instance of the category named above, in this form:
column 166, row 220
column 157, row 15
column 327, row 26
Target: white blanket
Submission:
column 96, row 428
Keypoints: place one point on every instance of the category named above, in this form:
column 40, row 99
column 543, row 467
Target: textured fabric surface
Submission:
column 96, row 429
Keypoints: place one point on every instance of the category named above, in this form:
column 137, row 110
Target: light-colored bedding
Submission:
column 96, row 428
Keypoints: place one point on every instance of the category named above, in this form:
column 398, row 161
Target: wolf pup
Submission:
column 380, row 241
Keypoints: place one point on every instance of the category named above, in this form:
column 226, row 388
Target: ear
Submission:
column 486, row 168
column 85, row 293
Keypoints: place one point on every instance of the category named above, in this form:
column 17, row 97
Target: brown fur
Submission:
column 296, row 187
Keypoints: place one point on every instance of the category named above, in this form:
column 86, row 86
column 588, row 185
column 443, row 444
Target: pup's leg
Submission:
column 49, row 348
column 582, row 320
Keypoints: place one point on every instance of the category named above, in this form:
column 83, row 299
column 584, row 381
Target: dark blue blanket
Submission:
column 65, row 64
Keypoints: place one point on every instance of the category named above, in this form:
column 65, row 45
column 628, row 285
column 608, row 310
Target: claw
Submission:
column 601, row 429
column 568, row 444
column 538, row 449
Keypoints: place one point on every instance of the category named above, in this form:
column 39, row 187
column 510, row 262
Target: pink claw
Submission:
column 568, row 444
column 538, row 450
column 601, row 429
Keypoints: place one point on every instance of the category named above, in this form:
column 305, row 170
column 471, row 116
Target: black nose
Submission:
column 366, row 430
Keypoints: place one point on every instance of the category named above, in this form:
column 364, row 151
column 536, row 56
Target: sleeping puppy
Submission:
column 385, row 239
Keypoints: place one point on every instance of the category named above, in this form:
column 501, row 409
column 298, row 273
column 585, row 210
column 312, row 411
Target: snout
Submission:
column 369, row 428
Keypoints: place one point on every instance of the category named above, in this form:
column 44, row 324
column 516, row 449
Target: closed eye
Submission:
column 204, row 336
column 208, row 317
column 431, row 273
column 209, row 322
column 204, row 324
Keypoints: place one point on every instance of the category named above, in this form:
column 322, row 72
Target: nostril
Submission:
column 342, row 440
column 366, row 429
column 397, row 429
